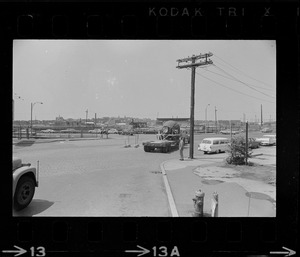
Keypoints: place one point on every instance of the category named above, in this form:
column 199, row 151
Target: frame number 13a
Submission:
column 163, row 251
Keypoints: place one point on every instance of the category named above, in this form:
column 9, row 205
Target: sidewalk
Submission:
column 184, row 178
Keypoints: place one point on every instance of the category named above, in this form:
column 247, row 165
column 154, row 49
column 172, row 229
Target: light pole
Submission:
column 216, row 123
column 32, row 104
column 13, row 105
column 206, row 118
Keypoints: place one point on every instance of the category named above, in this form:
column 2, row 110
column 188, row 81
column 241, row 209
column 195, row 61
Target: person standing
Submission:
column 181, row 146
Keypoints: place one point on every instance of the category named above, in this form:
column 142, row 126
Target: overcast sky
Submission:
column 139, row 78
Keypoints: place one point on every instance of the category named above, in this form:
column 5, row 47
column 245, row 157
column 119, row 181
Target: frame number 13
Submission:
column 38, row 251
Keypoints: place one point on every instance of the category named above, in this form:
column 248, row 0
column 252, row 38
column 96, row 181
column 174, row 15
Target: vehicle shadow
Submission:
column 25, row 143
column 35, row 207
column 160, row 151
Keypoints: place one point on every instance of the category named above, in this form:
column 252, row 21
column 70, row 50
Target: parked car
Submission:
column 127, row 132
column 267, row 140
column 70, row 130
column 112, row 131
column 25, row 179
column 214, row 144
column 227, row 132
column 25, row 131
column 95, row 131
column 47, row 131
column 252, row 143
column 266, row 130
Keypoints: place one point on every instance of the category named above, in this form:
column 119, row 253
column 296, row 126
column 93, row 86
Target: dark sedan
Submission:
column 252, row 143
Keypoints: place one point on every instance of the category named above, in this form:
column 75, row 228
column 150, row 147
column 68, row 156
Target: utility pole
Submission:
column 86, row 115
column 95, row 118
column 216, row 125
column 246, row 145
column 206, row 118
column 191, row 63
column 230, row 130
column 261, row 116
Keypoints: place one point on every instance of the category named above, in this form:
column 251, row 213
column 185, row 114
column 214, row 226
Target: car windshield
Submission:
column 206, row 142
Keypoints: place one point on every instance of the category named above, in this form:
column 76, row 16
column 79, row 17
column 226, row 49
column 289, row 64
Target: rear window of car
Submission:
column 206, row 142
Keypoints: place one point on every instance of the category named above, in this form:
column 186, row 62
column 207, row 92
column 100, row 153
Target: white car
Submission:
column 214, row 144
column 113, row 131
column 267, row 140
column 47, row 131
column 25, row 179
column 227, row 132
column 266, row 130
column 95, row 131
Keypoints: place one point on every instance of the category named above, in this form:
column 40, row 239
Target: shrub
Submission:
column 237, row 151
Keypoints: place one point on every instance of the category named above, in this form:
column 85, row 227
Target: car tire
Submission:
column 24, row 192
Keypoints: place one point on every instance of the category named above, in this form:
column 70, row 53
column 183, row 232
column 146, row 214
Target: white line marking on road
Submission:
column 169, row 192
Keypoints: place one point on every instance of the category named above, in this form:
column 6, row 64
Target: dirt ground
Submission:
column 266, row 174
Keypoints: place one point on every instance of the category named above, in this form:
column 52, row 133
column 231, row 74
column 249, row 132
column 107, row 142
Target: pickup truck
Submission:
column 25, row 179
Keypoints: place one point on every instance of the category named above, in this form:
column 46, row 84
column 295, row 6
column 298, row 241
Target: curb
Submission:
column 38, row 141
column 174, row 211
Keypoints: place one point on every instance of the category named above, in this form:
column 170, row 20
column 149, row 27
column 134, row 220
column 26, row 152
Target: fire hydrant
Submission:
column 198, row 204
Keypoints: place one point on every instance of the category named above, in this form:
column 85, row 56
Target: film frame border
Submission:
column 110, row 236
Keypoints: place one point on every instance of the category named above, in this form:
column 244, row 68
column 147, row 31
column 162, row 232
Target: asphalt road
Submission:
column 96, row 178
column 99, row 177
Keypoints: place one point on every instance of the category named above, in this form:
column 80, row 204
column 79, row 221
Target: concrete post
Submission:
column 215, row 205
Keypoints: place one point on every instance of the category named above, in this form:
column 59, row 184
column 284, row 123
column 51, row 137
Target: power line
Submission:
column 233, row 89
column 244, row 83
column 243, row 72
column 234, row 79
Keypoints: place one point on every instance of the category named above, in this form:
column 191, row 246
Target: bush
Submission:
column 237, row 151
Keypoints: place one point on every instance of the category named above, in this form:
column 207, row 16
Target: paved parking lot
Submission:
column 100, row 177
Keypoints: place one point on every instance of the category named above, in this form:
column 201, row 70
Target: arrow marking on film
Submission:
column 289, row 253
column 18, row 252
column 142, row 251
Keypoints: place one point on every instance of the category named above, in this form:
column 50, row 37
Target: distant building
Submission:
column 60, row 121
column 225, row 124
column 138, row 124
